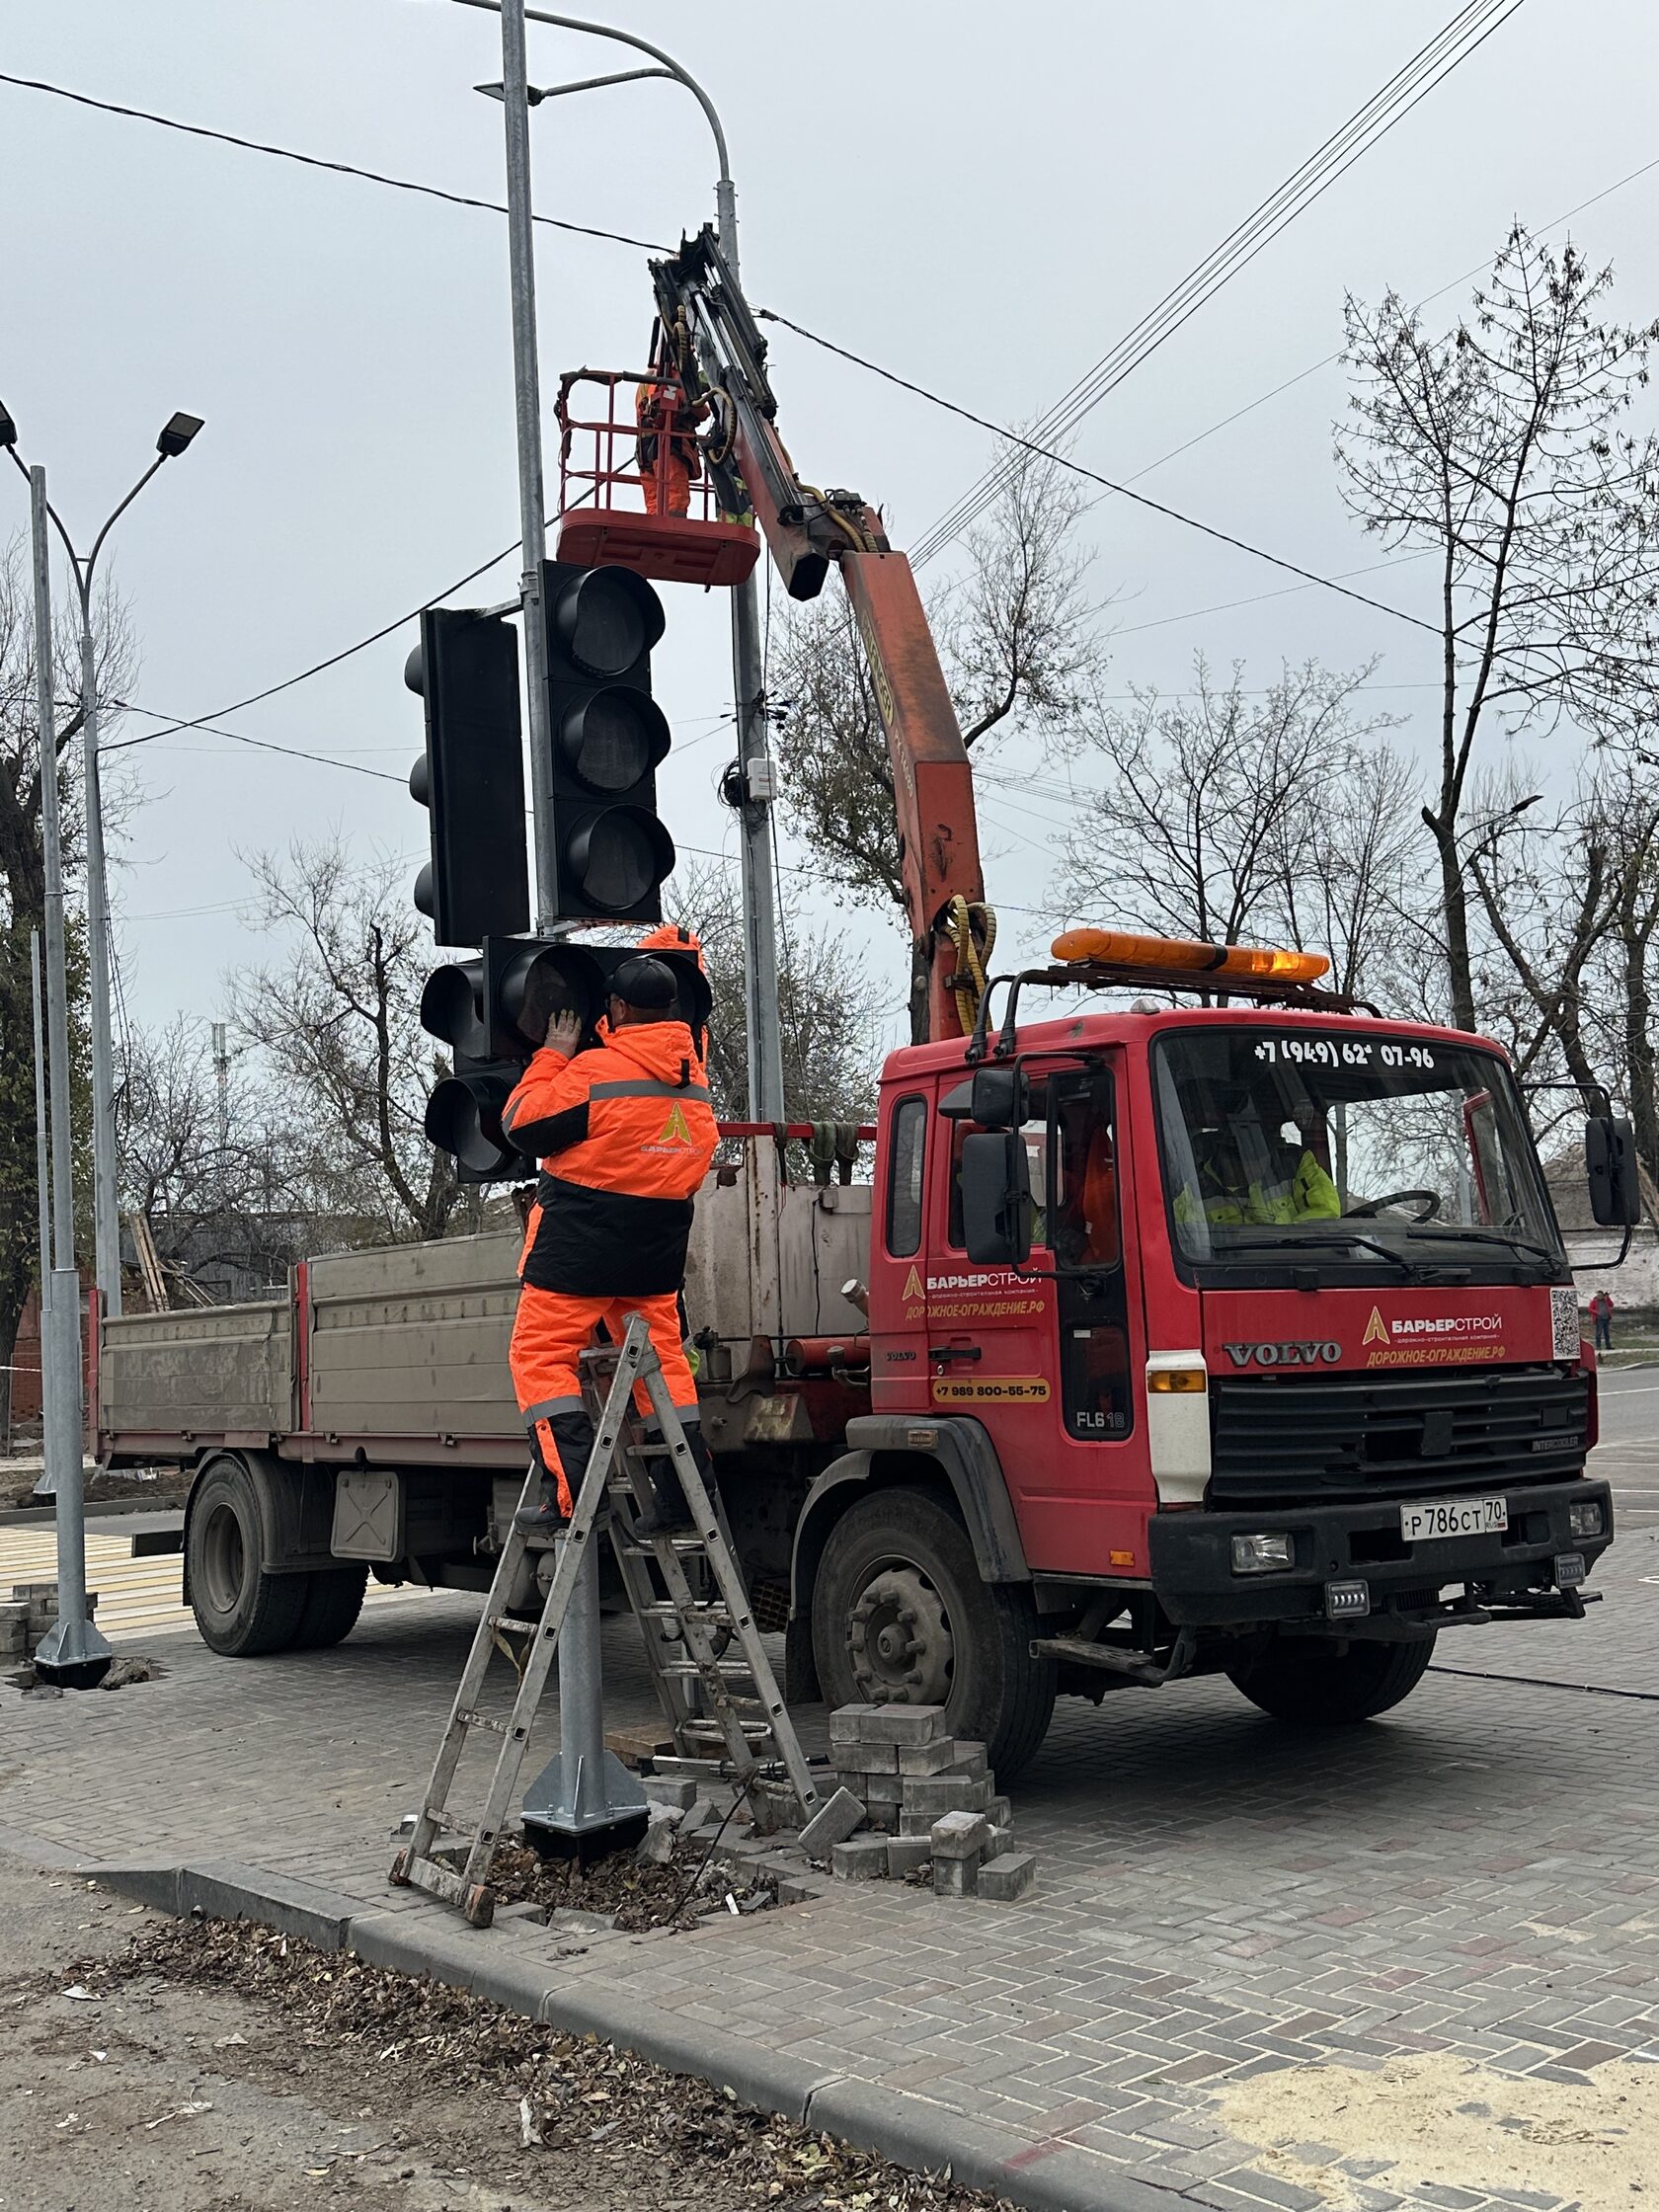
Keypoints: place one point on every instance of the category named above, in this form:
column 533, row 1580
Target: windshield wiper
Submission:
column 1450, row 1230
column 1337, row 1238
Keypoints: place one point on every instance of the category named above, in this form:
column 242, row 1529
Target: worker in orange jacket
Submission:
column 624, row 1133
column 669, row 457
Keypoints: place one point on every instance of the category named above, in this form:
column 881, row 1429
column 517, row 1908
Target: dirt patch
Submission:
column 1443, row 2122
column 636, row 1895
column 149, row 1490
column 572, row 2118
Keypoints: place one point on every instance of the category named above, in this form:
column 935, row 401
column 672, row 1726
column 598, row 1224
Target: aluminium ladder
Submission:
column 689, row 1637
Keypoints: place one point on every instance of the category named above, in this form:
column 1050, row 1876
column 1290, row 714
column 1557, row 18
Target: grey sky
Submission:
column 981, row 197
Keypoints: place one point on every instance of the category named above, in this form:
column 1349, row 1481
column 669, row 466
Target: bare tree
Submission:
column 831, row 1003
column 22, row 906
column 1498, row 447
column 1226, row 811
column 338, row 1020
column 1014, row 641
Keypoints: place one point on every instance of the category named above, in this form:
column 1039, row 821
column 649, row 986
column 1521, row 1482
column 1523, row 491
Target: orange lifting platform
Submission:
column 634, row 488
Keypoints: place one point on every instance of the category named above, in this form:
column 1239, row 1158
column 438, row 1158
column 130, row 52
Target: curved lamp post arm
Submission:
column 641, row 45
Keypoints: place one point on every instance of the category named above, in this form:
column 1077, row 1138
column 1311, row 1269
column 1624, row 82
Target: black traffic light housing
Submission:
column 474, row 1006
column 611, row 852
column 471, row 776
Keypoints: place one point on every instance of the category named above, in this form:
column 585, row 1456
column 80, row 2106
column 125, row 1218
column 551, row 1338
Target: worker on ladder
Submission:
column 626, row 1133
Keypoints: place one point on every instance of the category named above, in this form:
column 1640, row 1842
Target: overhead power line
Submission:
column 1469, row 29
column 1093, row 476
column 318, row 161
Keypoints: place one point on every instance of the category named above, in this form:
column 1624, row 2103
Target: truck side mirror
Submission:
column 995, row 1196
column 1609, row 1160
column 1002, row 1097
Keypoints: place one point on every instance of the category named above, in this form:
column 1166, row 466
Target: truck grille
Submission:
column 1358, row 1436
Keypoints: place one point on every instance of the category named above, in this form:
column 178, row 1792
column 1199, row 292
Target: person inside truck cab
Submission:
column 1292, row 1186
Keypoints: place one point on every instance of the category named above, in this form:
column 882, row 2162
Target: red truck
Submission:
column 1231, row 1337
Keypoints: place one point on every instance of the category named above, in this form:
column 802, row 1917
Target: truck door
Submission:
column 1048, row 1364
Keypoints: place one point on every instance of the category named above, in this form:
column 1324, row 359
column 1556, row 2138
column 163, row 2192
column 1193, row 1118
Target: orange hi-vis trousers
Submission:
column 549, row 1336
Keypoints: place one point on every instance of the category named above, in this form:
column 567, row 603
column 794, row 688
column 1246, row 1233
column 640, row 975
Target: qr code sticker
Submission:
column 1565, row 1323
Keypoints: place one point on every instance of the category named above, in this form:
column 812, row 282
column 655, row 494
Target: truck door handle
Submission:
column 954, row 1352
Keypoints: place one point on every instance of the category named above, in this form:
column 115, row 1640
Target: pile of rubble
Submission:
column 29, row 1616
column 930, row 1800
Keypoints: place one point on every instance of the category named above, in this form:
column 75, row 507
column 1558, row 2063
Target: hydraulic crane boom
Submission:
column 711, row 342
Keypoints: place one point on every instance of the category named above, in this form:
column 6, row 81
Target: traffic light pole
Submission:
column 73, row 1653
column 527, row 392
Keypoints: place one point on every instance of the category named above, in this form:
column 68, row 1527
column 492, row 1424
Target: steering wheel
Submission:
column 1429, row 1201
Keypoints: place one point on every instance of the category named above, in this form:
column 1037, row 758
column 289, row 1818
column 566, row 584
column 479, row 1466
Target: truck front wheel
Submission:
column 1306, row 1679
column 241, row 1609
column 900, row 1616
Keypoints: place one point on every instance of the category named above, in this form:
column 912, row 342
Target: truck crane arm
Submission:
column 711, row 342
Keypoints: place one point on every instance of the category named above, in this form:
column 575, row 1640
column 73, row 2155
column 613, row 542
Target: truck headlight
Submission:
column 1270, row 1553
column 1585, row 1518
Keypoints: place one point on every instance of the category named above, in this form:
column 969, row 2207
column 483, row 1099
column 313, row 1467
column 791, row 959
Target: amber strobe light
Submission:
column 1122, row 948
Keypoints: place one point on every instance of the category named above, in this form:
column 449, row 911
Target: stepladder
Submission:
column 713, row 1678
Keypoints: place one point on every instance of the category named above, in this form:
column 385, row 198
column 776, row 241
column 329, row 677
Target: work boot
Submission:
column 543, row 1519
column 668, row 1514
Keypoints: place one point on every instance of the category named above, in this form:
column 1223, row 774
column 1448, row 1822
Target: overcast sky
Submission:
column 981, row 197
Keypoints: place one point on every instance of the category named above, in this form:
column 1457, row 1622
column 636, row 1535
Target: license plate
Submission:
column 1454, row 1517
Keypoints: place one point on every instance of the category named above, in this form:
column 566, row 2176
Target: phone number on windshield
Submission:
column 1341, row 1052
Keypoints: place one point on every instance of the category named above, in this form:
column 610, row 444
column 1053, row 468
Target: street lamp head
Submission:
column 176, row 434
column 532, row 97
column 8, row 428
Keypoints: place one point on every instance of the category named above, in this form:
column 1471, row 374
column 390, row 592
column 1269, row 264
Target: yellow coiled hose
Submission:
column 971, row 928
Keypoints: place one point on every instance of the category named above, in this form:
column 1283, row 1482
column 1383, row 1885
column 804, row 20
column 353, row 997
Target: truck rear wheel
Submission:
column 333, row 1601
column 241, row 1609
column 900, row 1616
column 1305, row 1679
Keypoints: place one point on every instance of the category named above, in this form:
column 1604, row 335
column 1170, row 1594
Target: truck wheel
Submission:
column 240, row 1609
column 333, row 1602
column 900, row 1616
column 1303, row 1678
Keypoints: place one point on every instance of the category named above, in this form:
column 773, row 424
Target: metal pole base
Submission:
column 74, row 1656
column 46, row 1487
column 584, row 1802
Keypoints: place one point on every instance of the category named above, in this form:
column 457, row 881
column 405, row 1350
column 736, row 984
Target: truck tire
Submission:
column 241, row 1609
column 1304, row 1679
column 333, row 1601
column 900, row 1615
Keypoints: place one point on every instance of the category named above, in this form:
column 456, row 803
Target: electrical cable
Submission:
column 317, row 161
column 1107, row 483
column 1366, row 128
column 238, row 737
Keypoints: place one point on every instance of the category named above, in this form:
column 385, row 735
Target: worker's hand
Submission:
column 564, row 1034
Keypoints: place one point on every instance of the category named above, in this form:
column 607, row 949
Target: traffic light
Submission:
column 475, row 1007
column 611, row 852
column 471, row 776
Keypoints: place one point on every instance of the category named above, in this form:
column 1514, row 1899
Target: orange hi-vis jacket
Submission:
column 626, row 1133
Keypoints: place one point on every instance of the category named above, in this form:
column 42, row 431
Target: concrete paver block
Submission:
column 1001, row 1840
column 970, row 1761
column 1009, row 1878
column 932, row 1758
column 906, row 1853
column 833, row 1824
column 861, row 1757
column 956, row 1877
column 946, row 1794
column 861, row 1859
column 904, row 1724
column 959, row 1836
column 679, row 1791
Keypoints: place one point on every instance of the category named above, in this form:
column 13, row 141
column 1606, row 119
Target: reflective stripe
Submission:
column 549, row 1407
column 646, row 1087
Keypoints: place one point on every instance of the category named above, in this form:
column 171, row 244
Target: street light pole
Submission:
column 174, row 438
column 764, row 1035
column 73, row 1652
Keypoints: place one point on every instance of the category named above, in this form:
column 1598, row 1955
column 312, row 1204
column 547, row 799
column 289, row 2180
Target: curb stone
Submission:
column 424, row 1941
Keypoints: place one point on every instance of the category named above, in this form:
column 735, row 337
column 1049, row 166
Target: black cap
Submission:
column 647, row 984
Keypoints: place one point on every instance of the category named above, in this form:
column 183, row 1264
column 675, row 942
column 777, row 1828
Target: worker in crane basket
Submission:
column 669, row 457
column 624, row 1133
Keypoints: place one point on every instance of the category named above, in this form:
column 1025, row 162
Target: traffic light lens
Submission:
column 614, row 739
column 607, row 619
column 619, row 857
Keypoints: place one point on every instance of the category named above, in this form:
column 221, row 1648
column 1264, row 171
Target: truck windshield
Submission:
column 1358, row 1149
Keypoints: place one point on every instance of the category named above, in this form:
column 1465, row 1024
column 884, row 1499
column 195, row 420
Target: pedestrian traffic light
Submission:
column 471, row 776
column 477, row 1006
column 611, row 852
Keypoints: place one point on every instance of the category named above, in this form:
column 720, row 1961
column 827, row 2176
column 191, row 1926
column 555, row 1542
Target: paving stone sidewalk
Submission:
column 1219, row 1896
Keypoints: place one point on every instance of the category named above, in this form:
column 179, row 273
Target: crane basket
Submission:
column 634, row 489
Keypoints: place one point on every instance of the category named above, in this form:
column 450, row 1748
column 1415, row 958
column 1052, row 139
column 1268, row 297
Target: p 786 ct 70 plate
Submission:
column 1454, row 1517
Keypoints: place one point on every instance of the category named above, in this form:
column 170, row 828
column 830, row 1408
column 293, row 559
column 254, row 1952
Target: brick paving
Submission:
column 1218, row 1896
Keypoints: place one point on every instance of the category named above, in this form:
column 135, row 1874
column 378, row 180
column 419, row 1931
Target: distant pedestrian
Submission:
column 1600, row 1312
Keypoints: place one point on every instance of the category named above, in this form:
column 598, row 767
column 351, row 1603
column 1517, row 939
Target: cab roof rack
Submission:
column 1127, row 975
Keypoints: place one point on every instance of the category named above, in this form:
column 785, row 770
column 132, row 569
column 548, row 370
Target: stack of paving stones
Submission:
column 929, row 1799
column 29, row 1616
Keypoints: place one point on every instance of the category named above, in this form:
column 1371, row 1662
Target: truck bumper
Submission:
column 1194, row 1581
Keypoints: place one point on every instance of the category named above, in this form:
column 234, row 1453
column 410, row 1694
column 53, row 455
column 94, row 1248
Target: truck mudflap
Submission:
column 1352, row 1572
